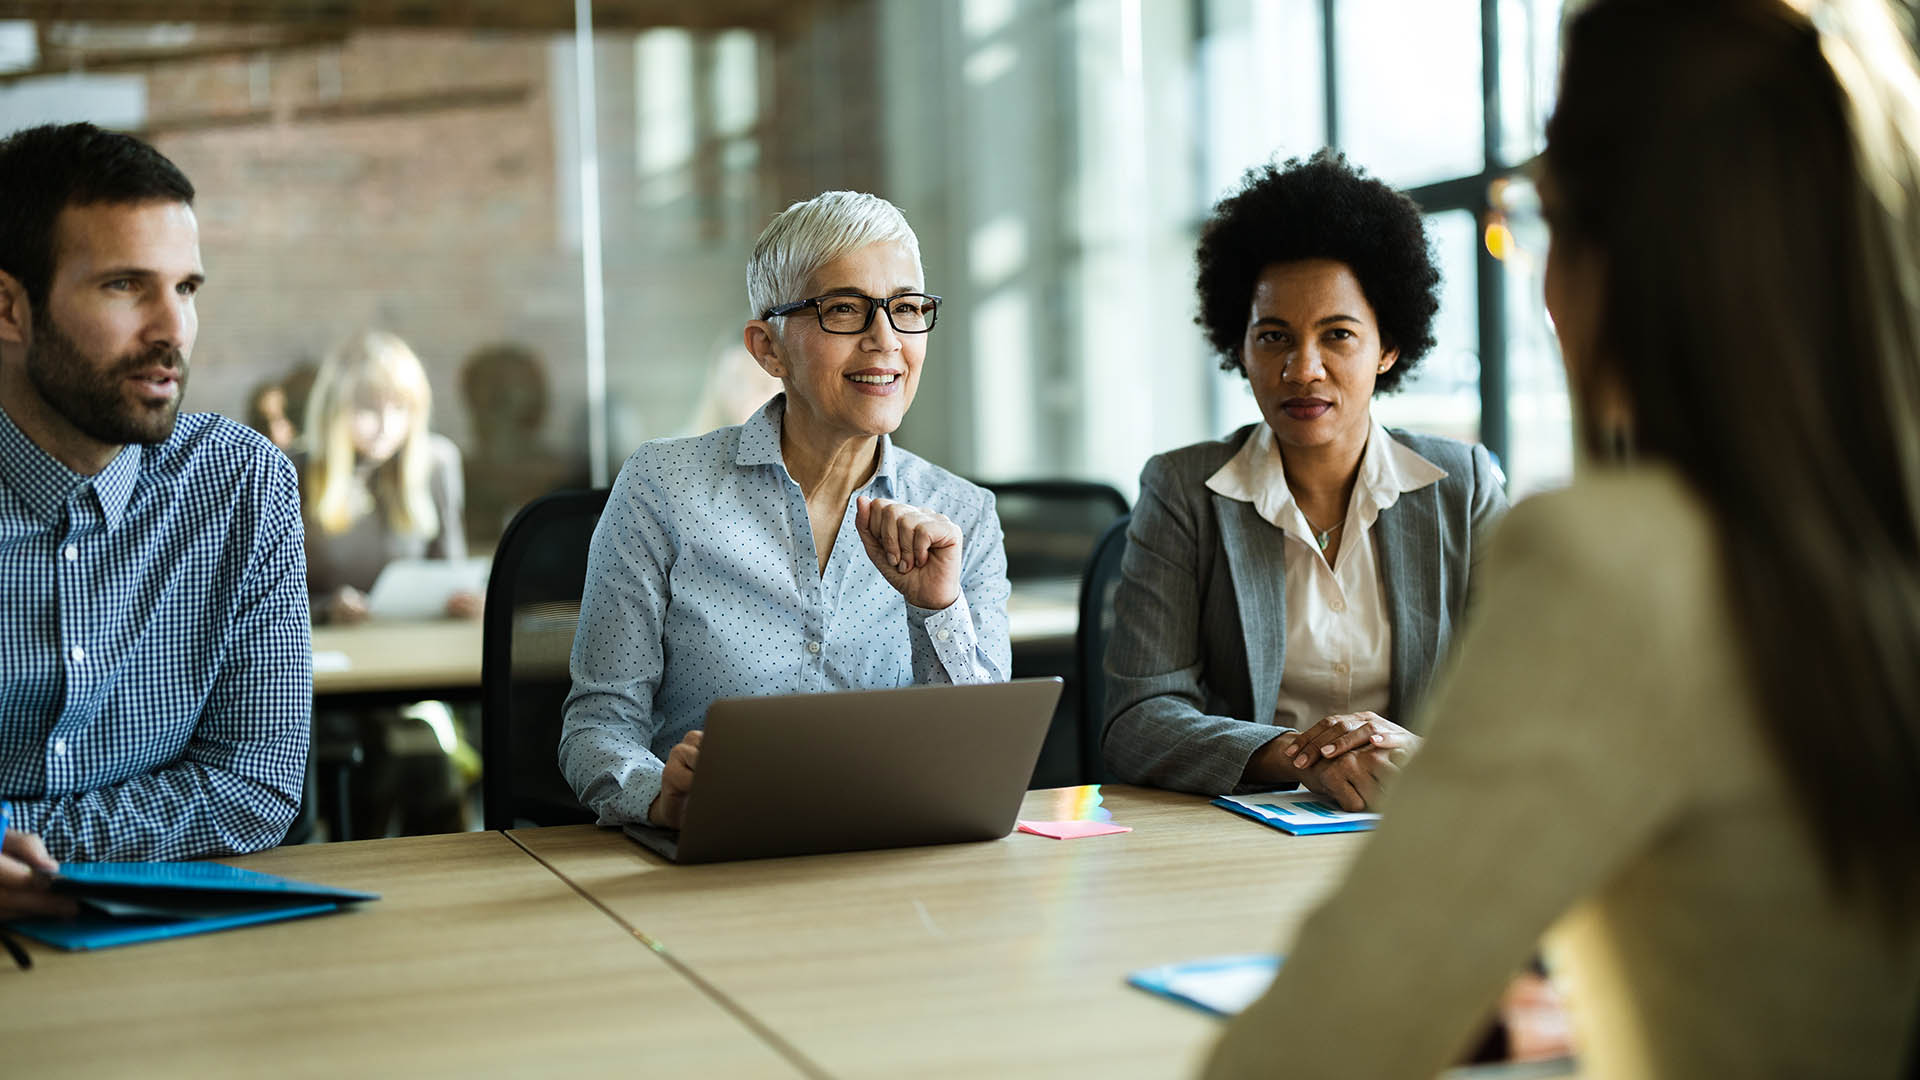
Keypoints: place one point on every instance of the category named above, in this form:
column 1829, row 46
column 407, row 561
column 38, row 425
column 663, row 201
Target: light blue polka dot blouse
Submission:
column 703, row 583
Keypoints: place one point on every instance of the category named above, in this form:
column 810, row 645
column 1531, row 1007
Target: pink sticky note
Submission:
column 1071, row 830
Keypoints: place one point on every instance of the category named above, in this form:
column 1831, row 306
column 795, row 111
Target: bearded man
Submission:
column 156, row 677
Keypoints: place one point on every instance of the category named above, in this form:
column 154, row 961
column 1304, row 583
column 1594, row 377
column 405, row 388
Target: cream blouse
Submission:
column 1339, row 641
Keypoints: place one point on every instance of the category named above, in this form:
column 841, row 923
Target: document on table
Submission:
column 1302, row 813
column 1221, row 985
column 418, row 588
column 1224, row 986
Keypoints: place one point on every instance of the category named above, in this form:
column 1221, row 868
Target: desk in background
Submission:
column 440, row 658
column 430, row 658
column 477, row 962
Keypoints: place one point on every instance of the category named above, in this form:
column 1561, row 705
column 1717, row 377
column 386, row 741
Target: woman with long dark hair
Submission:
column 1682, row 736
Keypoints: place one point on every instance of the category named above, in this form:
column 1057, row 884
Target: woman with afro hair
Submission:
column 1288, row 591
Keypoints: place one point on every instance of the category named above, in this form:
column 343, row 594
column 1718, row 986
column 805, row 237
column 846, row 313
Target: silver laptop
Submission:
column 803, row 774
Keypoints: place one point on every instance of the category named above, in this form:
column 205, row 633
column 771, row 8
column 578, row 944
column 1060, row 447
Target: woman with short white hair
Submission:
column 800, row 551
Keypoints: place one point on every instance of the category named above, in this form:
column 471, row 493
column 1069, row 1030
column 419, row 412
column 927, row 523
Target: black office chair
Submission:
column 1090, row 644
column 1051, row 527
column 533, row 609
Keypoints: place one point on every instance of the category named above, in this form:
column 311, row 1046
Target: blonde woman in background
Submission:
column 375, row 484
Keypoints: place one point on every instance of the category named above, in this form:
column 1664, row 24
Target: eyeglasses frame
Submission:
column 874, row 303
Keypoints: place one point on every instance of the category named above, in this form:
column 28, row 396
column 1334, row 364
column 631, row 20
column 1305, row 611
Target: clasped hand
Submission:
column 1348, row 758
column 917, row 551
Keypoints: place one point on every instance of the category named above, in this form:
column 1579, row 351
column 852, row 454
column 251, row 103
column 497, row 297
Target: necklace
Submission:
column 1321, row 536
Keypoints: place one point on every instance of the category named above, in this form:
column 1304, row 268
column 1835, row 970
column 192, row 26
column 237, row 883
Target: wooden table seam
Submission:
column 766, row 1034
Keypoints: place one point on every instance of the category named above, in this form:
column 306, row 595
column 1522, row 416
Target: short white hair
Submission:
column 808, row 235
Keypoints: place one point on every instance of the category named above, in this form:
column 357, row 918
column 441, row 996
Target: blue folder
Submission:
column 122, row 903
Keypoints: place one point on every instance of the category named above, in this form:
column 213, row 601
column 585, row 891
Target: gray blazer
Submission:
column 1200, row 616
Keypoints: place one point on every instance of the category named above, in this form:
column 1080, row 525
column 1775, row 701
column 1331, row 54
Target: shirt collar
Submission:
column 760, row 443
column 1388, row 469
column 44, row 485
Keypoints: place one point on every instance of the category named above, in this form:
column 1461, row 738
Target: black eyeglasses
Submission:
column 852, row 313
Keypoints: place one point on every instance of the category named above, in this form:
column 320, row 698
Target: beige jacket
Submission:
column 1596, row 766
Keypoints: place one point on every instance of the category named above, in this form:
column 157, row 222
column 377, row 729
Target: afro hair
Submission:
column 1320, row 208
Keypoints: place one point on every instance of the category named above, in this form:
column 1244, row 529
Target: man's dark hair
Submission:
column 44, row 170
column 1320, row 208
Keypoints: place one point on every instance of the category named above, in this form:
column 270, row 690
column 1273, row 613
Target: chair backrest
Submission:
column 1090, row 644
column 1051, row 525
column 533, row 608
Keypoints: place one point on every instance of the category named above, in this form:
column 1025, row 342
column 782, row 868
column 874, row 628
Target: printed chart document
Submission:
column 418, row 588
column 1221, row 985
column 1301, row 813
column 125, row 903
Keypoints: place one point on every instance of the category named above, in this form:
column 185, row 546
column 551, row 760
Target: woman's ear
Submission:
column 1388, row 358
column 764, row 345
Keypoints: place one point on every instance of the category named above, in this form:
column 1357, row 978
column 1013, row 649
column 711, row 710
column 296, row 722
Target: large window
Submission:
column 575, row 236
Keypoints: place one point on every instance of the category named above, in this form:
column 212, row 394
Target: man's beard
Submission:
column 95, row 400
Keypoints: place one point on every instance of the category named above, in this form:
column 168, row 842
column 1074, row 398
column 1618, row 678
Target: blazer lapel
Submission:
column 1257, row 561
column 1410, row 572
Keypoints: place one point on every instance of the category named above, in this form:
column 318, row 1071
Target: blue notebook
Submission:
column 122, row 903
column 1301, row 813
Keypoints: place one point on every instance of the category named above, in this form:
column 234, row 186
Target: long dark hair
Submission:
column 1750, row 183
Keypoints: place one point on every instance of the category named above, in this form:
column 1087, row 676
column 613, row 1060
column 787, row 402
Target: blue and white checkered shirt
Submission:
column 156, row 677
column 702, row 583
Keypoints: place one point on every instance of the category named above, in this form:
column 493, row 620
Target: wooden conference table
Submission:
column 1005, row 958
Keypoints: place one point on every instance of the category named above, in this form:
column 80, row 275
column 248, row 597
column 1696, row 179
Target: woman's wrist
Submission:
column 1269, row 765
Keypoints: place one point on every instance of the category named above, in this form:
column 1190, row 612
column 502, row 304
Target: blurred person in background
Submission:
column 800, row 551
column 509, row 463
column 267, row 414
column 1287, row 591
column 735, row 389
column 376, row 484
column 1682, row 736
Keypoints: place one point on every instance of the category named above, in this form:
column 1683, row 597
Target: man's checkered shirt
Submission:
column 156, row 675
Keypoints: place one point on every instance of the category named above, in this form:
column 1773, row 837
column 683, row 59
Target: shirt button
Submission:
column 72, row 553
column 944, row 635
column 1340, row 668
column 79, row 654
column 60, row 747
column 813, row 647
column 1337, row 604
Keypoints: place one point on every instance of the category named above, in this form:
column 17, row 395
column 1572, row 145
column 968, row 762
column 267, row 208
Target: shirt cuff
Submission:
column 950, row 631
